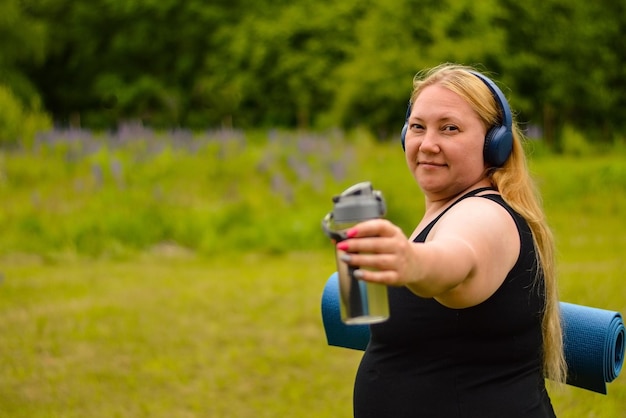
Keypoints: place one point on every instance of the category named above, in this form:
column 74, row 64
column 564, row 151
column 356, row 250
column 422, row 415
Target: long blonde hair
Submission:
column 515, row 184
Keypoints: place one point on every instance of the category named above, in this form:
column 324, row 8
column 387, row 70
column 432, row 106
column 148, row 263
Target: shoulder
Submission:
column 478, row 215
column 492, row 234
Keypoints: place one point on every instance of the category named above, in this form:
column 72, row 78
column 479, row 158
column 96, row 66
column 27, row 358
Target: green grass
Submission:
column 164, row 336
column 171, row 335
column 189, row 283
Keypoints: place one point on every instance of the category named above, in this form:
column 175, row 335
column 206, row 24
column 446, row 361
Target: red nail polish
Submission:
column 351, row 233
column 343, row 246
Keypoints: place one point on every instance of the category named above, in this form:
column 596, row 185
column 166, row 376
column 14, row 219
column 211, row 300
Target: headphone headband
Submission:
column 503, row 104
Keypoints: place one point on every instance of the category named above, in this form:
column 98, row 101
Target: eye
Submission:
column 450, row 128
column 416, row 127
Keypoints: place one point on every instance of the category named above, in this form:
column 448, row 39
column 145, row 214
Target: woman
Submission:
column 474, row 325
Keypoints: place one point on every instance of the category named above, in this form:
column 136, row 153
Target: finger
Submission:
column 372, row 228
column 369, row 228
column 370, row 261
column 386, row 277
column 375, row 245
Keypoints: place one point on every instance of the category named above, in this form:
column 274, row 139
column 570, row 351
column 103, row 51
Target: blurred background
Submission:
column 303, row 64
column 165, row 165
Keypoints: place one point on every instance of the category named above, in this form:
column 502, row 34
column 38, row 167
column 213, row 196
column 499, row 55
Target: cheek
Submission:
column 479, row 152
column 474, row 158
column 473, row 150
column 412, row 145
column 410, row 153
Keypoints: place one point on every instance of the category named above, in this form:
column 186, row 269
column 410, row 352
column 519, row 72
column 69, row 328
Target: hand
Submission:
column 381, row 251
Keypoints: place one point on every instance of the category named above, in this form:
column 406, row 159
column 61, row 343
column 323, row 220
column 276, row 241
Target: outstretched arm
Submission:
column 465, row 259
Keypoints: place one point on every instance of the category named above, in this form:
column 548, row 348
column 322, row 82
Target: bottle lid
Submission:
column 359, row 202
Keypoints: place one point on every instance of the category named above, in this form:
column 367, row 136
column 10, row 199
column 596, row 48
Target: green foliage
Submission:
column 564, row 64
column 376, row 77
column 311, row 64
column 296, row 48
column 22, row 40
column 18, row 124
column 110, row 61
column 574, row 143
column 106, row 196
column 114, row 195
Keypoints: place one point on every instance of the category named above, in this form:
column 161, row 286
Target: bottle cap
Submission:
column 358, row 203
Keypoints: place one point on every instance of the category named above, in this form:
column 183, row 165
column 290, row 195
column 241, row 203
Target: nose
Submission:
column 430, row 142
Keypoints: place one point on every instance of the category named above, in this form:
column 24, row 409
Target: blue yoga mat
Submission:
column 594, row 339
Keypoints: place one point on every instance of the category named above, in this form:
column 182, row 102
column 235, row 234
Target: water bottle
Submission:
column 360, row 302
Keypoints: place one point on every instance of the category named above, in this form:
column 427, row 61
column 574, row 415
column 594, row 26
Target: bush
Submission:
column 219, row 192
column 19, row 124
column 574, row 143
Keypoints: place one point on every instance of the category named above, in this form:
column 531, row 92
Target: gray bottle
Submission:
column 361, row 302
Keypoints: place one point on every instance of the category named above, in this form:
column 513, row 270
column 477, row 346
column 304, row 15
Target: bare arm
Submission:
column 464, row 260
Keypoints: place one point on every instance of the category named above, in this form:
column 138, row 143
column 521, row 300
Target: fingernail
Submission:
column 343, row 246
column 351, row 233
column 358, row 274
column 345, row 258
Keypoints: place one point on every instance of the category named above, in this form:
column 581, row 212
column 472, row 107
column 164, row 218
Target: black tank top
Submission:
column 485, row 361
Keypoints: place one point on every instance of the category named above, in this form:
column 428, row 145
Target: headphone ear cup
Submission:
column 405, row 128
column 403, row 135
column 498, row 145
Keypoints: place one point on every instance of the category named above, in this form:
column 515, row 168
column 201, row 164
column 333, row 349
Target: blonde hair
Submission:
column 515, row 184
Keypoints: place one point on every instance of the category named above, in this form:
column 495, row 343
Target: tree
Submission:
column 115, row 60
column 395, row 40
column 22, row 39
column 566, row 63
column 306, row 63
column 281, row 63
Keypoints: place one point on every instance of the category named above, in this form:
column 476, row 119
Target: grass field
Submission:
column 171, row 335
column 100, row 319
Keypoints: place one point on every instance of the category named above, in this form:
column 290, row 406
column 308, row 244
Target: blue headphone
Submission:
column 499, row 138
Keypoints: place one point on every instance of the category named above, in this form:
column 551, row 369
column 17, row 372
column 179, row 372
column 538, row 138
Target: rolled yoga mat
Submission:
column 594, row 339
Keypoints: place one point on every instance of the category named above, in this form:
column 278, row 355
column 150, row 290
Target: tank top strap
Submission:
column 421, row 237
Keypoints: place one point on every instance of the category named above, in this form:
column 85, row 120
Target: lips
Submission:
column 430, row 164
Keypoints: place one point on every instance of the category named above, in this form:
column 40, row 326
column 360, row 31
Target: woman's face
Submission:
column 444, row 143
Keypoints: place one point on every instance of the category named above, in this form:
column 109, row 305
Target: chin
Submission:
column 429, row 188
